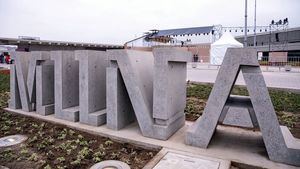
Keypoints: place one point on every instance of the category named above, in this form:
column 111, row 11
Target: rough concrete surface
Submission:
column 66, row 77
column 92, row 86
column 259, row 105
column 148, row 79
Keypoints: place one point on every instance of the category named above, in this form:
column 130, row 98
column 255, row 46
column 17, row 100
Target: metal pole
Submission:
column 245, row 37
column 254, row 24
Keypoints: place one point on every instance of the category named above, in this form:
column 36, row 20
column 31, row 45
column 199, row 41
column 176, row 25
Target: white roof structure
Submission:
column 219, row 48
column 5, row 48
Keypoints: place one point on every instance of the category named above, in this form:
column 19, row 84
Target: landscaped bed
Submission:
column 57, row 146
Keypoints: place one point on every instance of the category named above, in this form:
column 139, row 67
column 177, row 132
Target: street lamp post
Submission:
column 254, row 43
column 245, row 37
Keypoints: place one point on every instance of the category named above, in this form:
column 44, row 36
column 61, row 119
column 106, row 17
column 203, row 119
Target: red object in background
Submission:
column 7, row 59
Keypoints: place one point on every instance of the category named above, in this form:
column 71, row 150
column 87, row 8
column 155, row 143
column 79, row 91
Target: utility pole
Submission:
column 246, row 30
column 254, row 43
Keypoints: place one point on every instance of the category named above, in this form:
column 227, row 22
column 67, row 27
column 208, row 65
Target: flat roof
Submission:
column 15, row 41
column 184, row 31
column 267, row 33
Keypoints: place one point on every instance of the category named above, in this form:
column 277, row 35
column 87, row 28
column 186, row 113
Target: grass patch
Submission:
column 282, row 100
column 286, row 104
column 4, row 83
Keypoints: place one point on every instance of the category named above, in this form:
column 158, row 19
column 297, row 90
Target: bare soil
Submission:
column 57, row 146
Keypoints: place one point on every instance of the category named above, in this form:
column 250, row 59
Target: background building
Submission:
column 276, row 46
column 35, row 44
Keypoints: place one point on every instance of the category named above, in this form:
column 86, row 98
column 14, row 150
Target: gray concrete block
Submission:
column 45, row 89
column 169, row 83
column 276, row 145
column 175, row 160
column 23, row 79
column 138, row 70
column 201, row 132
column 119, row 109
column 92, row 86
column 23, row 93
column 44, row 78
column 21, row 70
column 238, row 116
column 238, row 111
column 66, row 77
column 15, row 100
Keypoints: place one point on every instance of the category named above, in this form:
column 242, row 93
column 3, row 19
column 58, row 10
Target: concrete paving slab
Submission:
column 164, row 155
column 176, row 160
column 229, row 143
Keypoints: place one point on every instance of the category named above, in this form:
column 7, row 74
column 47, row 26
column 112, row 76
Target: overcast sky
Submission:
column 117, row 21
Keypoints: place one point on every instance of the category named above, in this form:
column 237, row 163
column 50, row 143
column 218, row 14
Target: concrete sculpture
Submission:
column 66, row 77
column 152, row 85
column 28, row 70
column 280, row 144
column 92, row 90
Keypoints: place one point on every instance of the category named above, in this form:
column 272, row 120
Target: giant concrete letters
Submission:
column 25, row 94
column 66, row 78
column 92, row 90
column 155, row 84
column 280, row 144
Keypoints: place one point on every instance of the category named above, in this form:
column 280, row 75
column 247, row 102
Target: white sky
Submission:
column 117, row 21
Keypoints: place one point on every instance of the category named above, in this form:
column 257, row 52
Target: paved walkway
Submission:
column 288, row 80
column 3, row 65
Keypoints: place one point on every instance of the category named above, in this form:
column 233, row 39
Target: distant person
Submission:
column 1, row 58
column 7, row 59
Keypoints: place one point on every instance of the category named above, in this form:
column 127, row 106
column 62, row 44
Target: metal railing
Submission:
column 288, row 64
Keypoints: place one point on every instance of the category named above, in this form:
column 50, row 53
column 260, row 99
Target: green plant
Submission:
column 83, row 143
column 47, row 167
column 4, row 85
column 5, row 128
column 32, row 139
column 71, row 132
column 80, row 136
column 83, row 153
column 108, row 142
column 33, row 157
column 115, row 155
column 24, row 151
column 63, row 134
column 76, row 162
column 60, row 159
column 34, row 125
column 98, row 156
column 42, row 162
column 50, row 153
column 18, row 129
column 7, row 154
column 61, row 167
column 288, row 119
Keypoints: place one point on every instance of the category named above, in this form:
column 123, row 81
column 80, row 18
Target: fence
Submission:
column 291, row 63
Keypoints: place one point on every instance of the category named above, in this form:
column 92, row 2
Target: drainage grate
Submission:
column 12, row 140
column 111, row 164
